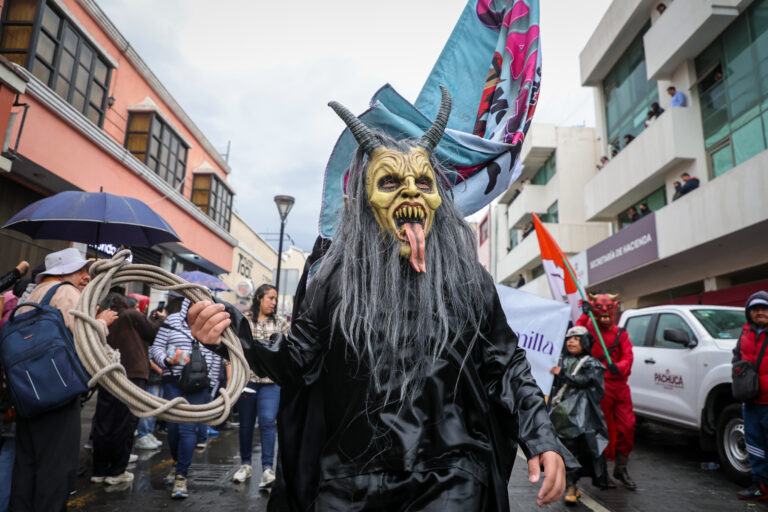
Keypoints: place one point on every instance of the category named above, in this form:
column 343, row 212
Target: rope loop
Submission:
column 102, row 362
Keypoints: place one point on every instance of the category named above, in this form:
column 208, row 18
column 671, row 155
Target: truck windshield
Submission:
column 721, row 323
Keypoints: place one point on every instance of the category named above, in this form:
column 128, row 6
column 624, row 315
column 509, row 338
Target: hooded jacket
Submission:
column 748, row 347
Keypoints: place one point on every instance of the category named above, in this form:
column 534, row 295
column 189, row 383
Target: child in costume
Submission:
column 576, row 412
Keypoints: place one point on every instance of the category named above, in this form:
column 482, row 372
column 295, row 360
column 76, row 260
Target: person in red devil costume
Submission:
column 617, row 402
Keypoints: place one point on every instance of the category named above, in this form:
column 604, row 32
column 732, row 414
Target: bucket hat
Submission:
column 61, row 263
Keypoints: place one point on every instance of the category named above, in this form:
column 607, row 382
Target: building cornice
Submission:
column 137, row 62
column 91, row 40
column 84, row 126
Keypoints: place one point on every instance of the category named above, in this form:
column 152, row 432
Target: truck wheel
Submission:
column 731, row 444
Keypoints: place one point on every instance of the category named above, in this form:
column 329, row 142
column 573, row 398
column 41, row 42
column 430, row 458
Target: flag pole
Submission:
column 591, row 315
column 578, row 287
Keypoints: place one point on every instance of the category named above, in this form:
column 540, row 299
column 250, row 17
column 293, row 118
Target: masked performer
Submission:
column 617, row 403
column 405, row 387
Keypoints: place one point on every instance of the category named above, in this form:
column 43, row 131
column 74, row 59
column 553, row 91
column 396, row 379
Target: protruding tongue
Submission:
column 415, row 233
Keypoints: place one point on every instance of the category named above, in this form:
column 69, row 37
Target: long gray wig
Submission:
column 395, row 321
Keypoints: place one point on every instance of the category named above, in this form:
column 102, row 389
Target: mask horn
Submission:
column 591, row 296
column 613, row 296
column 363, row 135
column 430, row 139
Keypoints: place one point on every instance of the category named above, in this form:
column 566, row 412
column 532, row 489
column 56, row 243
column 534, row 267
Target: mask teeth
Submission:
column 410, row 213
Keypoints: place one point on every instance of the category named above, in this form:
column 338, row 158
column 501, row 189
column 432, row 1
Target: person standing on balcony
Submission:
column 678, row 97
column 520, row 281
column 689, row 183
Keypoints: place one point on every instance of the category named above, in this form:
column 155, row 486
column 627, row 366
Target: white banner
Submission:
column 540, row 325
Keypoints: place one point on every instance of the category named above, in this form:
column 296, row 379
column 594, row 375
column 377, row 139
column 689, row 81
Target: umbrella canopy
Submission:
column 93, row 218
column 213, row 283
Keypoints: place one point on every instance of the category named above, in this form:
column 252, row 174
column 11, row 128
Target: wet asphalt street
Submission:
column 665, row 464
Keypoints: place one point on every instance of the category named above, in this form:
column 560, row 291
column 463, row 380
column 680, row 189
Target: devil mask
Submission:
column 604, row 307
column 401, row 186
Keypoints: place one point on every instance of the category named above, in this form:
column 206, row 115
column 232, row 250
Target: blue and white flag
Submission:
column 491, row 65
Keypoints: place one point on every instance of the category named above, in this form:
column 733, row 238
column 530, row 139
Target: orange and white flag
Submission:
column 562, row 286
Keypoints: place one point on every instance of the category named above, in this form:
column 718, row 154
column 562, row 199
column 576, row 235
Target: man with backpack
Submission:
column 47, row 444
column 185, row 373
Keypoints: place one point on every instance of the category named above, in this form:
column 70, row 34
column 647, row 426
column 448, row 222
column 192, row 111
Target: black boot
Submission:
column 620, row 472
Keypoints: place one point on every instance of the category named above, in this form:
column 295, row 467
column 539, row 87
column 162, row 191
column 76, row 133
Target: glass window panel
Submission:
column 636, row 328
column 656, row 200
column 139, row 122
column 41, row 71
column 140, row 156
column 136, row 142
column 66, row 65
column 46, row 47
column 174, row 145
column 164, row 156
column 69, row 37
column 100, row 71
column 202, row 181
column 152, row 163
column 183, row 154
column 759, row 28
column 156, row 128
column 16, row 37
column 154, row 147
column 86, row 56
column 51, row 21
column 739, row 66
column 18, row 58
column 81, row 81
column 78, row 101
column 670, row 321
column 97, row 95
column 21, row 10
column 166, row 138
column 62, row 87
column 722, row 161
column 748, row 141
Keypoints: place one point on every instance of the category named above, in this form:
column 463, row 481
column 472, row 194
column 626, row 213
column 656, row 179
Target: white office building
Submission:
column 710, row 245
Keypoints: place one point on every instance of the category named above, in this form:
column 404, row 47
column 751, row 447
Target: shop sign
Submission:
column 631, row 247
column 244, row 289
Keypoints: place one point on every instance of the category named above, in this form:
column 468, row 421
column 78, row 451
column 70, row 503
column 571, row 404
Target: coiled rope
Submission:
column 102, row 362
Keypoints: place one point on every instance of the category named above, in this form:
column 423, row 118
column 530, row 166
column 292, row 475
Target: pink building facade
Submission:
column 82, row 111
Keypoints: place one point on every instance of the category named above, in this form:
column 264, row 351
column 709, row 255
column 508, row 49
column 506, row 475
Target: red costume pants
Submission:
column 619, row 418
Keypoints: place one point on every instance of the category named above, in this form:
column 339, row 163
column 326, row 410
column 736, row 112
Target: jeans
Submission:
column 182, row 436
column 264, row 403
column 756, row 437
column 147, row 425
column 202, row 428
column 7, row 456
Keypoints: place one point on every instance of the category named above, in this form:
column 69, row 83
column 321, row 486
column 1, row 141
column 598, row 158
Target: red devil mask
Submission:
column 604, row 307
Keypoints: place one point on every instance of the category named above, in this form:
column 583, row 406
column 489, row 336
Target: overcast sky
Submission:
column 260, row 74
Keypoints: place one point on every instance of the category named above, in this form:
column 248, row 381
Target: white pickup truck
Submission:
column 682, row 374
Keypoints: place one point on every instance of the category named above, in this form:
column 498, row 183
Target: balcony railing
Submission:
column 641, row 167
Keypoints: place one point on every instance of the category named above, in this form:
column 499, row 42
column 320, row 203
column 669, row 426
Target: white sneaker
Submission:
column 171, row 476
column 267, row 479
column 133, row 458
column 97, row 479
column 127, row 476
column 242, row 474
column 144, row 443
column 158, row 443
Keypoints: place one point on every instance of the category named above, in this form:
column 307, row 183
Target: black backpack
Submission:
column 194, row 375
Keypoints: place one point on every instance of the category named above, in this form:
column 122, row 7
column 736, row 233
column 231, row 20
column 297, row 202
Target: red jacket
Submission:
column 747, row 349
column 620, row 352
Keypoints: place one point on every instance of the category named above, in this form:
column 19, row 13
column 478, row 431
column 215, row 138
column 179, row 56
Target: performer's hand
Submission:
column 613, row 368
column 586, row 307
column 207, row 321
column 555, row 370
column 554, row 471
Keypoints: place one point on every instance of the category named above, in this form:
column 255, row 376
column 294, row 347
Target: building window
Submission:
column 732, row 78
column 57, row 53
column 152, row 141
column 537, row 271
column 551, row 216
column 213, row 198
column 547, row 171
column 483, row 231
column 514, row 239
column 628, row 93
column 655, row 201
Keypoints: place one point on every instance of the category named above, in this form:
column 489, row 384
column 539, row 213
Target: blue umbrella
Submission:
column 93, row 218
column 212, row 282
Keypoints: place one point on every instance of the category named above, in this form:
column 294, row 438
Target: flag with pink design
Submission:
column 491, row 65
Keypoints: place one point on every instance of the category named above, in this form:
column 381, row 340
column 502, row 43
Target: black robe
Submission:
column 452, row 450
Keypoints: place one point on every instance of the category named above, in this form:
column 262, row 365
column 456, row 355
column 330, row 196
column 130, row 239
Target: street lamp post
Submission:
column 284, row 205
